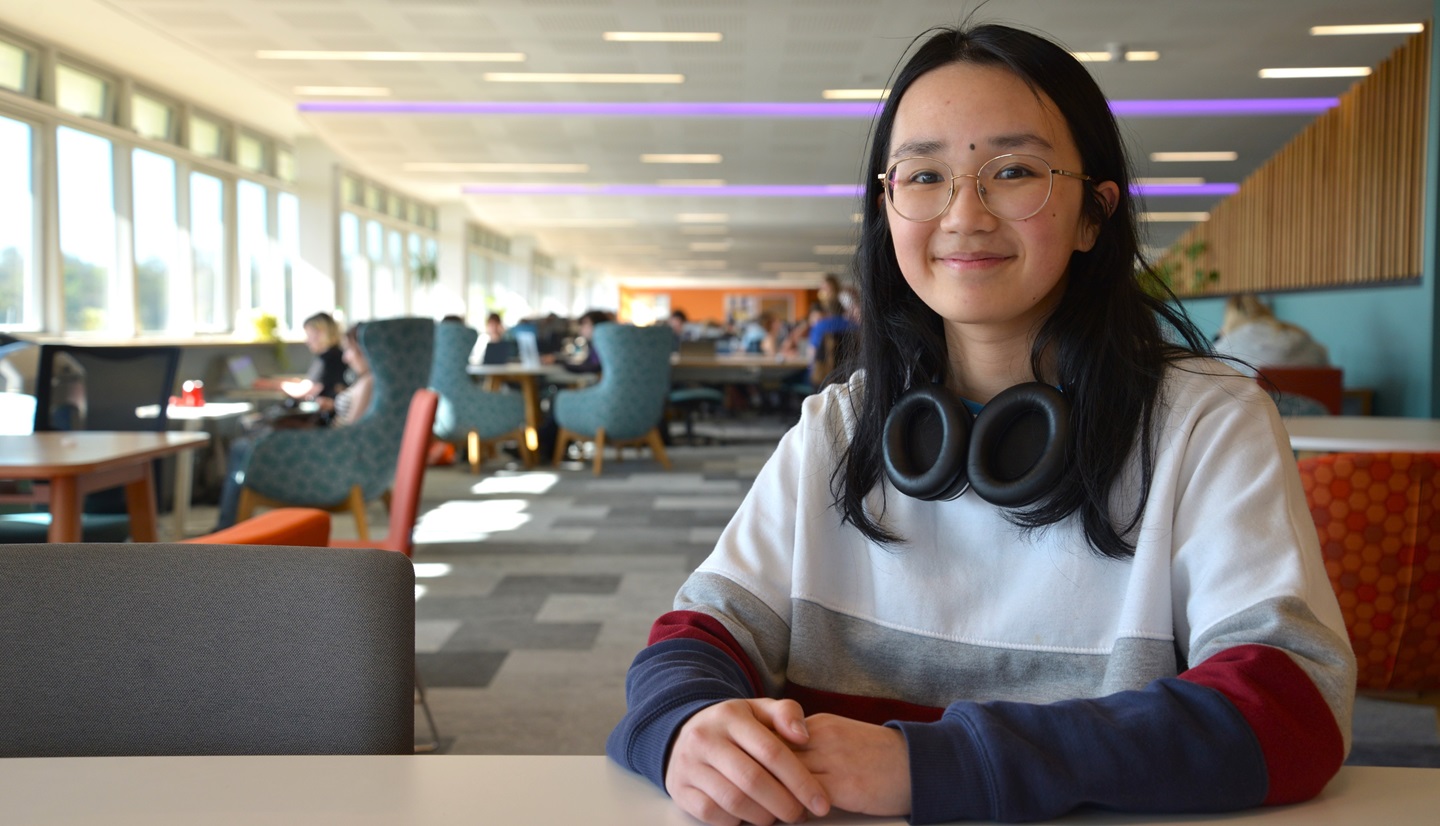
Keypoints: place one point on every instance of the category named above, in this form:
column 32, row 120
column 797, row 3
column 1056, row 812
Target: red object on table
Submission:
column 192, row 394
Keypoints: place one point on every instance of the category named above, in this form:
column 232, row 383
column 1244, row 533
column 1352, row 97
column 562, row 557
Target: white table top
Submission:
column 507, row 791
column 1332, row 434
column 209, row 410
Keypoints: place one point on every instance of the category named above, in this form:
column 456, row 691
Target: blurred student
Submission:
column 1251, row 334
column 326, row 375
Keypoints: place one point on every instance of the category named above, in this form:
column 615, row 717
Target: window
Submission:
column 253, row 224
column 390, row 294
column 355, row 269
column 295, row 295
column 15, row 64
column 82, row 93
column 250, row 153
column 159, row 289
column 207, row 245
column 152, row 118
column 87, row 228
column 19, row 299
column 285, row 165
column 207, row 137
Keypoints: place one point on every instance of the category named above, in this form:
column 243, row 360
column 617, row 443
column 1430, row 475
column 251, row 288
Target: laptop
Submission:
column 242, row 370
column 529, row 348
column 503, row 351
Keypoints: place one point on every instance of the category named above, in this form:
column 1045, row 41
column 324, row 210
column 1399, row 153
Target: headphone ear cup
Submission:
column 1021, row 445
column 927, row 438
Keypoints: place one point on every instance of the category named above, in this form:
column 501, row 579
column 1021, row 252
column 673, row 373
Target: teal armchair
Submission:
column 342, row 468
column 466, row 410
column 628, row 403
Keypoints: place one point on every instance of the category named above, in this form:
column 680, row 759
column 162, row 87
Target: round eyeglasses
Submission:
column 1012, row 187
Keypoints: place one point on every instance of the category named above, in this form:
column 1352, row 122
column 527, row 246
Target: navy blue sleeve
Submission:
column 1173, row 746
column 667, row 683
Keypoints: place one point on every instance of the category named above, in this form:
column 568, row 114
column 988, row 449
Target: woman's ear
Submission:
column 1109, row 194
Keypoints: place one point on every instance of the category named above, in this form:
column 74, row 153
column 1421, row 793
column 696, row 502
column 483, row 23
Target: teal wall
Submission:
column 1384, row 338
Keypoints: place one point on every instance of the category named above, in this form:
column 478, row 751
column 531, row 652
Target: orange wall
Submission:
column 709, row 305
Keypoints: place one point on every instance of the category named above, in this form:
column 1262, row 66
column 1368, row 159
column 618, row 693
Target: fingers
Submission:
column 769, row 772
column 785, row 717
column 728, row 765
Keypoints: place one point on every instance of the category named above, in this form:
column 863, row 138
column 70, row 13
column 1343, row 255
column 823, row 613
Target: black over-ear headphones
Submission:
column 1012, row 453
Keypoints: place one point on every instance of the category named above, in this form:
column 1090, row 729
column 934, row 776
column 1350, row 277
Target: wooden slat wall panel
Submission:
column 1341, row 204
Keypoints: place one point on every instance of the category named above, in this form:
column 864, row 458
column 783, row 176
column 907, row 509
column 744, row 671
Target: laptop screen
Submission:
column 242, row 369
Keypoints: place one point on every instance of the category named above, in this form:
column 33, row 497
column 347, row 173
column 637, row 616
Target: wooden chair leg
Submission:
column 246, row 509
column 657, row 446
column 562, row 440
column 599, row 450
column 357, row 507
column 472, row 450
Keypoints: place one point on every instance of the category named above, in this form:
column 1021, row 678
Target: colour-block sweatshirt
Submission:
column 1028, row 675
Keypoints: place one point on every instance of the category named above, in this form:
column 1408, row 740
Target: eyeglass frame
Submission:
column 884, row 179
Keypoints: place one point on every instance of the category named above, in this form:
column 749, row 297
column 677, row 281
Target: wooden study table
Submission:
column 71, row 464
column 1336, row 434
column 513, row 791
column 734, row 368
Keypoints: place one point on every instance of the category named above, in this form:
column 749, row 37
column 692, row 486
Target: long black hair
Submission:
column 1105, row 343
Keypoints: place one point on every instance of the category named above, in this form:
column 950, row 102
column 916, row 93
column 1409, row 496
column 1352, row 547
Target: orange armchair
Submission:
column 305, row 527
column 1378, row 518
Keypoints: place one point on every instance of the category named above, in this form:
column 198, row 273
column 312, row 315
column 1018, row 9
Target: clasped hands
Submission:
column 762, row 761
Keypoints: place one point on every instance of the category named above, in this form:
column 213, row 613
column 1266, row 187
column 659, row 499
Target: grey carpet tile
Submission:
column 548, row 584
column 462, row 669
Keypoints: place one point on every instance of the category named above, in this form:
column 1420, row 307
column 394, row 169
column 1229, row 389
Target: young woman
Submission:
column 1126, row 609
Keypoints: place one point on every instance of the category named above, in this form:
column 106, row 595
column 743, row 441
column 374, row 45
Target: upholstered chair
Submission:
column 342, row 468
column 627, row 405
column 1378, row 519
column 468, row 412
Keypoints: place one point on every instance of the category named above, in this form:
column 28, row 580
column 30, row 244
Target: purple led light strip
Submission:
column 783, row 191
column 1122, row 108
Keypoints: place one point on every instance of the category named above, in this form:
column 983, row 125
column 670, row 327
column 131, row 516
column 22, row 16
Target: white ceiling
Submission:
column 773, row 50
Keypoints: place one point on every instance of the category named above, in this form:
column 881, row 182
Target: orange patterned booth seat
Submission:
column 1378, row 517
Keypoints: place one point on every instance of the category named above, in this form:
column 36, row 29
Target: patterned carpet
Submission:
column 535, row 590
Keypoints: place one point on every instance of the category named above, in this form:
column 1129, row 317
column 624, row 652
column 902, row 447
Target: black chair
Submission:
column 196, row 649
column 97, row 388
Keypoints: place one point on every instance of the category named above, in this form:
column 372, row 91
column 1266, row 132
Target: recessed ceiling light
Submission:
column 835, row 249
column 663, row 158
column 1370, row 28
column 691, row 182
column 1174, row 217
column 1181, row 157
column 397, row 57
column 664, row 37
column 703, row 217
column 696, row 265
column 580, row 77
column 632, row 249
column 855, row 94
column 1316, row 71
column 344, row 91
column 570, row 168
column 1169, row 181
column 782, row 266
column 1139, row 56
column 589, row 223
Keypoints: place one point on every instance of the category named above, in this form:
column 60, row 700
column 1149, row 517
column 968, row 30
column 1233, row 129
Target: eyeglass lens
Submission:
column 1012, row 187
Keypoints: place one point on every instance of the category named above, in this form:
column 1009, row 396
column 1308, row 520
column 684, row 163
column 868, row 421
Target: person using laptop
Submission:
column 326, row 376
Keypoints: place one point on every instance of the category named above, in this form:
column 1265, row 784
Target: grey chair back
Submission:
column 156, row 649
